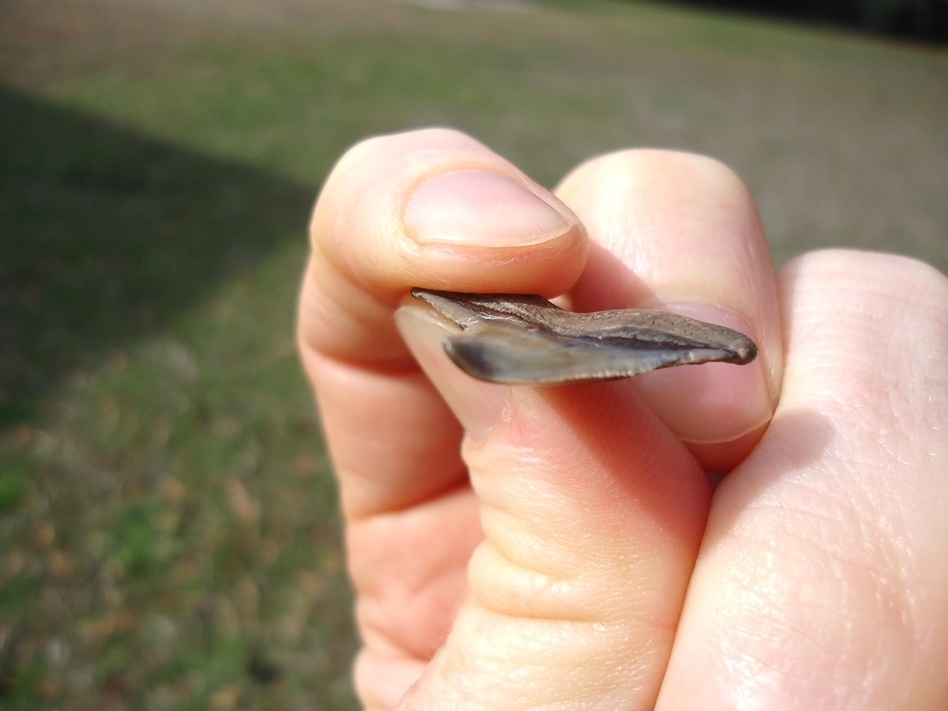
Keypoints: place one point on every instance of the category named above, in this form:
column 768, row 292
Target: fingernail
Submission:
column 480, row 208
column 713, row 402
column 478, row 406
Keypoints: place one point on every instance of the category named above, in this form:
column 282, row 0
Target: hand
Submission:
column 579, row 554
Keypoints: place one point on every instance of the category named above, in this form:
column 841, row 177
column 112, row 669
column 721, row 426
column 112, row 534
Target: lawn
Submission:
column 167, row 514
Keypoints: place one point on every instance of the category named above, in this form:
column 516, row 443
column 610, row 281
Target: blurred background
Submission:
column 168, row 533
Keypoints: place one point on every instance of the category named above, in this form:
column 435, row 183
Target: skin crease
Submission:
column 565, row 548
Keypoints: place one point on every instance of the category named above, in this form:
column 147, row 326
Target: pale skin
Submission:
column 570, row 548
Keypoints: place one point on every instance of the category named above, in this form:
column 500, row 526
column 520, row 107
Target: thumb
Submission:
column 592, row 514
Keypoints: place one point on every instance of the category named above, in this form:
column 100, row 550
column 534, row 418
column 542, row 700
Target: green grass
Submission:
column 167, row 514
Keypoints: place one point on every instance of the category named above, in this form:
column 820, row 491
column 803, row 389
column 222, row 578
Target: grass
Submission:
column 167, row 513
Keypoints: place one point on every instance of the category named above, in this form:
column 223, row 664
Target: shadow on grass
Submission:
column 108, row 234
column 107, row 238
column 912, row 20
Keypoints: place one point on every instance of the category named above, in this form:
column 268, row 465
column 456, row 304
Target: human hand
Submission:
column 579, row 555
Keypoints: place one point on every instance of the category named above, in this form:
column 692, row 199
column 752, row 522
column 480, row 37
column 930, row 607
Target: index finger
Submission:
column 429, row 208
